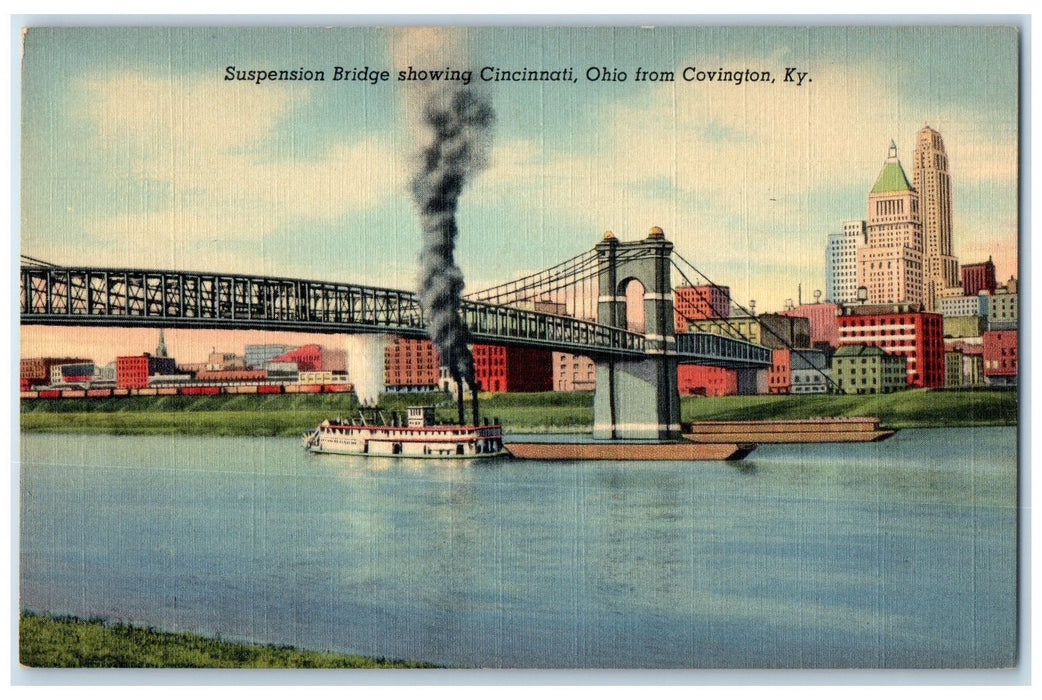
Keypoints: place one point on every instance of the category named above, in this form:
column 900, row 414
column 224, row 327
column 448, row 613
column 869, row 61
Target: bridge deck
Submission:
column 177, row 299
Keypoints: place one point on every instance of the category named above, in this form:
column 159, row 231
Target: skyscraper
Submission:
column 932, row 181
column 890, row 264
column 841, row 262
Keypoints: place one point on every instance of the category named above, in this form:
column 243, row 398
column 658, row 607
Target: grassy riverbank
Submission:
column 65, row 642
column 292, row 414
column 919, row 408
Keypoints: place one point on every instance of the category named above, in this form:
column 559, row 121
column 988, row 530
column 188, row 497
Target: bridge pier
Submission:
column 635, row 402
column 365, row 366
column 637, row 399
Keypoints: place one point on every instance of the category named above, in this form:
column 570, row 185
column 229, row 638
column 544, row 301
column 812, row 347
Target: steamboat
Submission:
column 416, row 435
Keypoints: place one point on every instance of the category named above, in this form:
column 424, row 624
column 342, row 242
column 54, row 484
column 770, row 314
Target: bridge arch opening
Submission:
column 633, row 309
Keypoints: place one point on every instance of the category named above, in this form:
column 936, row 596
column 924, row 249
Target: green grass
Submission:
column 917, row 408
column 67, row 642
column 286, row 415
column 289, row 415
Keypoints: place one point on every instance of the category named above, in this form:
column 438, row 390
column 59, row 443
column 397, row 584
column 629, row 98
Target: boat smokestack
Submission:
column 474, row 402
column 460, row 409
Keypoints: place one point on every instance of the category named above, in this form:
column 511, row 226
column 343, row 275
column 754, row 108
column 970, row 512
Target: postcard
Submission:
column 519, row 347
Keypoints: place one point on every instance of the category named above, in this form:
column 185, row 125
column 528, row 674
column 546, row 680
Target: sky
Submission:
column 137, row 152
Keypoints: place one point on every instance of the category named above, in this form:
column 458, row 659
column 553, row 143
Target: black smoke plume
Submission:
column 460, row 122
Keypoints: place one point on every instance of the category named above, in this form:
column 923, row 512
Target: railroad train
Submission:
column 190, row 390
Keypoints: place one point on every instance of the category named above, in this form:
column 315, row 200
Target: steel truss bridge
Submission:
column 84, row 296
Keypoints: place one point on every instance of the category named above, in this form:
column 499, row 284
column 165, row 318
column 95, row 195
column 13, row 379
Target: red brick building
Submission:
column 498, row 368
column 132, row 372
column 36, row 371
column 779, row 376
column 698, row 380
column 899, row 329
column 1000, row 357
column 824, row 326
column 697, row 303
column 978, row 276
column 307, row 357
column 411, row 365
column 573, row 372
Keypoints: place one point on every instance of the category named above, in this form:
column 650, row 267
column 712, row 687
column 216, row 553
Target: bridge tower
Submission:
column 637, row 399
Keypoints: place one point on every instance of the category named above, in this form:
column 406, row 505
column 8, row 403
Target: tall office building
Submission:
column 932, row 181
column 841, row 262
column 890, row 264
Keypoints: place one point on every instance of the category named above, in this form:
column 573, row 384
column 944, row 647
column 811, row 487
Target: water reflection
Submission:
column 897, row 554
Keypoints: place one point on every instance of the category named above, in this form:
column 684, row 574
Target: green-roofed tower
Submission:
column 890, row 264
column 892, row 177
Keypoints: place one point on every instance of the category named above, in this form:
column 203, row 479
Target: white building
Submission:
column 976, row 305
column 841, row 262
column 810, row 372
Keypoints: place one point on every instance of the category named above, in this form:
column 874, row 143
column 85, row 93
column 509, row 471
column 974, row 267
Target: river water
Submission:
column 890, row 555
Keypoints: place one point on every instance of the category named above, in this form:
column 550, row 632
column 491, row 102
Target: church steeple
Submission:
column 161, row 348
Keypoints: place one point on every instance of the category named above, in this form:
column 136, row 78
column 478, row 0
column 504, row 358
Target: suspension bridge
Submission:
column 578, row 306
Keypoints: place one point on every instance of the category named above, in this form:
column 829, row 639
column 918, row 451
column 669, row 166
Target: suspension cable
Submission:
column 725, row 320
column 530, row 281
column 37, row 261
column 570, row 276
column 727, row 293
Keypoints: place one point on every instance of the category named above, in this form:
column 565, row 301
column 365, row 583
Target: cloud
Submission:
column 427, row 46
column 192, row 110
column 778, row 140
column 748, row 180
column 225, row 153
column 745, row 180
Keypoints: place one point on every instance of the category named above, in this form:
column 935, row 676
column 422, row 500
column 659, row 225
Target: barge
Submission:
column 629, row 451
column 416, row 437
column 855, row 429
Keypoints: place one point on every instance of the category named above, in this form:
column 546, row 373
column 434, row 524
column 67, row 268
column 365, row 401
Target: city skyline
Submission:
column 186, row 345
column 310, row 179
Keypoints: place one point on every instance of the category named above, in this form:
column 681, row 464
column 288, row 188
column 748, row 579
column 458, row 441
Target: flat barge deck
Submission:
column 628, row 451
column 855, row 429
